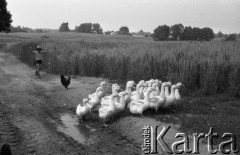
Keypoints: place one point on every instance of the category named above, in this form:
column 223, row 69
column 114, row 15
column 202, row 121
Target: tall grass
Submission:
column 206, row 67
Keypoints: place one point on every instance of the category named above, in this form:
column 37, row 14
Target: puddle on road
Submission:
column 78, row 131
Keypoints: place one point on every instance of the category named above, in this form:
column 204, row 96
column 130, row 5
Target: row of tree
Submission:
column 227, row 37
column 83, row 28
column 29, row 30
column 179, row 32
column 91, row 28
column 124, row 30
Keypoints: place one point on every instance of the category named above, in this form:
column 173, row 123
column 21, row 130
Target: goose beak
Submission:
column 134, row 85
column 170, row 84
column 180, row 85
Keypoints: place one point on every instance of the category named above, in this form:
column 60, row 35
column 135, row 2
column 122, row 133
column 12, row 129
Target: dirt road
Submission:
column 31, row 108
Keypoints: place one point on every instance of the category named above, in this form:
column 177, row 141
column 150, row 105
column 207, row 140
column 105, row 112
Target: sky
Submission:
column 146, row 15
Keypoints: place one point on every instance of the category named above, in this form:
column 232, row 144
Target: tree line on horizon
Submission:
column 179, row 32
column 91, row 28
column 176, row 32
column 29, row 30
column 82, row 28
column 161, row 33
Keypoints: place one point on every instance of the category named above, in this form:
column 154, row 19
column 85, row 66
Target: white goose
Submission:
column 149, row 83
column 159, row 100
column 145, row 88
column 121, row 105
column 137, row 107
column 177, row 94
column 106, row 112
column 129, row 86
column 109, row 96
column 136, row 95
column 105, row 100
column 103, row 86
column 97, row 99
column 140, row 82
column 84, row 109
column 171, row 98
column 157, row 91
column 142, row 89
column 155, row 85
column 167, row 90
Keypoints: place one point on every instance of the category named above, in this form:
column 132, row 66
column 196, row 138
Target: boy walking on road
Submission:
column 38, row 59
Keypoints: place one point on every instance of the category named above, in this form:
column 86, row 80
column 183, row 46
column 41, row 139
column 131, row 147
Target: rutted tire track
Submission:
column 10, row 133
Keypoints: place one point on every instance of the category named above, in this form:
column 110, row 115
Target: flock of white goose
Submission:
column 152, row 94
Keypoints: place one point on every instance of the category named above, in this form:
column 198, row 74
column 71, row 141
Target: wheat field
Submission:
column 204, row 67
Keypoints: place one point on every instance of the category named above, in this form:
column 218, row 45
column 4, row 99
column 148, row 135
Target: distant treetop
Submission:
column 64, row 27
column 5, row 17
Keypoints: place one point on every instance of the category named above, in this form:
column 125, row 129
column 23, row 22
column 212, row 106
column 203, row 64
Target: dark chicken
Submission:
column 65, row 81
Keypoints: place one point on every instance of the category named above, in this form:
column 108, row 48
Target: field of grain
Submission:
column 204, row 67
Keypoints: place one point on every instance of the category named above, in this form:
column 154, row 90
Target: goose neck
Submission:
column 138, row 87
column 122, row 99
column 176, row 90
column 162, row 91
column 112, row 101
column 114, row 92
column 145, row 88
column 172, row 92
column 147, row 96
column 128, row 89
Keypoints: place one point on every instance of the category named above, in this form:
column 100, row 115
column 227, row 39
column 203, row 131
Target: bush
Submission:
column 161, row 33
column 231, row 37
